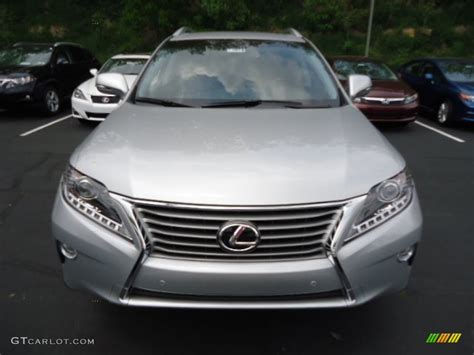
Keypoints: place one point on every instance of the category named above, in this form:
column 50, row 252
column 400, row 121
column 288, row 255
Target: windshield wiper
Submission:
column 161, row 102
column 309, row 106
column 251, row 103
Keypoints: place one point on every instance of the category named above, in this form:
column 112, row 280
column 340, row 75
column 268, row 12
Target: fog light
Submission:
column 406, row 255
column 68, row 252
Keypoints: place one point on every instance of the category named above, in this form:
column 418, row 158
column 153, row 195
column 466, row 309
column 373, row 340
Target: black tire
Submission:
column 51, row 101
column 444, row 116
column 404, row 124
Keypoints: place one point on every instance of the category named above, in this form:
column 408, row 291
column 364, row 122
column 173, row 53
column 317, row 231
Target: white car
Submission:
column 89, row 104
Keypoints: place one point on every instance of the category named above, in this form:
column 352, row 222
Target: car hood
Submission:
column 466, row 87
column 390, row 88
column 235, row 156
column 16, row 70
column 88, row 87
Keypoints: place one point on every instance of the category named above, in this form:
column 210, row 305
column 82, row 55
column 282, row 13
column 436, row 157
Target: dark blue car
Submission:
column 445, row 86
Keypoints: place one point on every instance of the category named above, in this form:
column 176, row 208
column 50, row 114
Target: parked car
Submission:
column 89, row 104
column 445, row 86
column 388, row 100
column 42, row 74
column 236, row 174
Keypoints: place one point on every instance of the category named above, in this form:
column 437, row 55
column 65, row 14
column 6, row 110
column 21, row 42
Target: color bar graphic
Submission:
column 443, row 338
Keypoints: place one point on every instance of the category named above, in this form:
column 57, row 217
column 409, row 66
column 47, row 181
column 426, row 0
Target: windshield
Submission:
column 126, row 66
column 206, row 72
column 25, row 56
column 376, row 71
column 458, row 71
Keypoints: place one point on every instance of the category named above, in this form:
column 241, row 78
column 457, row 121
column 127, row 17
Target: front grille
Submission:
column 96, row 115
column 287, row 232
column 384, row 101
column 105, row 99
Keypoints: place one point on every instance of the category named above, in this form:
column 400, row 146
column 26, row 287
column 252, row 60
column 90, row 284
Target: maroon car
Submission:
column 389, row 100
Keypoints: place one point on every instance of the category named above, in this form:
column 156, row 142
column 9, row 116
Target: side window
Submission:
column 430, row 72
column 62, row 57
column 415, row 69
column 77, row 54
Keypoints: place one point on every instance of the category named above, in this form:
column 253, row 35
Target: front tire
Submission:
column 445, row 113
column 51, row 101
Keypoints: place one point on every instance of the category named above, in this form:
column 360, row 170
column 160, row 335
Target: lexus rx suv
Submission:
column 42, row 74
column 236, row 174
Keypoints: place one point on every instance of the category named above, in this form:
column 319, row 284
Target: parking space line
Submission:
column 44, row 126
column 459, row 140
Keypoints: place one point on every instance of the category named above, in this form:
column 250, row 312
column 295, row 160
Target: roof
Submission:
column 131, row 56
column 446, row 59
column 263, row 36
column 46, row 44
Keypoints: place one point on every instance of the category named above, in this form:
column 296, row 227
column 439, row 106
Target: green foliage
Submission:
column 441, row 27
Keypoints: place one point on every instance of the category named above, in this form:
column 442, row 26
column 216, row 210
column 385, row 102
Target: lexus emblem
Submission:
column 105, row 100
column 238, row 236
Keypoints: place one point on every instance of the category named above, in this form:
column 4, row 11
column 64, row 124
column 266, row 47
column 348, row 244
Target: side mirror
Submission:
column 359, row 85
column 429, row 77
column 93, row 71
column 112, row 83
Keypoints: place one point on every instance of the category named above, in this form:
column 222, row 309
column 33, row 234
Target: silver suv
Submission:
column 236, row 174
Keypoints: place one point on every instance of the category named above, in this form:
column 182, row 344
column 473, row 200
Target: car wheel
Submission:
column 404, row 124
column 445, row 113
column 51, row 101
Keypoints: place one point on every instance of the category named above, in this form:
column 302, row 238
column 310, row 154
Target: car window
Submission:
column 127, row 66
column 208, row 71
column 458, row 71
column 415, row 69
column 430, row 69
column 77, row 54
column 62, row 56
column 25, row 55
column 376, row 71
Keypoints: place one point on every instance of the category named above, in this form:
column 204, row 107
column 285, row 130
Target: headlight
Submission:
column 410, row 99
column 467, row 97
column 93, row 200
column 383, row 201
column 78, row 94
column 21, row 80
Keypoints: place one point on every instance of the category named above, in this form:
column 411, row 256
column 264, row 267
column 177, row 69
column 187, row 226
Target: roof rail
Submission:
column 32, row 44
column 181, row 30
column 294, row 32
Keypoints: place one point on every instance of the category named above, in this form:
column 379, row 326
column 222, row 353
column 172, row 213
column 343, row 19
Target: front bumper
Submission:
column 389, row 113
column 352, row 274
column 91, row 111
column 465, row 112
column 17, row 96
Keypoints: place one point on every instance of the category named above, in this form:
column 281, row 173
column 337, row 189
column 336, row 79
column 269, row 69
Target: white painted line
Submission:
column 459, row 140
column 44, row 126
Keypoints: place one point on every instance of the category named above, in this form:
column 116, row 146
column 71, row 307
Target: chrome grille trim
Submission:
column 190, row 231
column 384, row 100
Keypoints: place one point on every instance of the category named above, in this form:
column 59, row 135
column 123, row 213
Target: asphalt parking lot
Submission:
column 35, row 303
